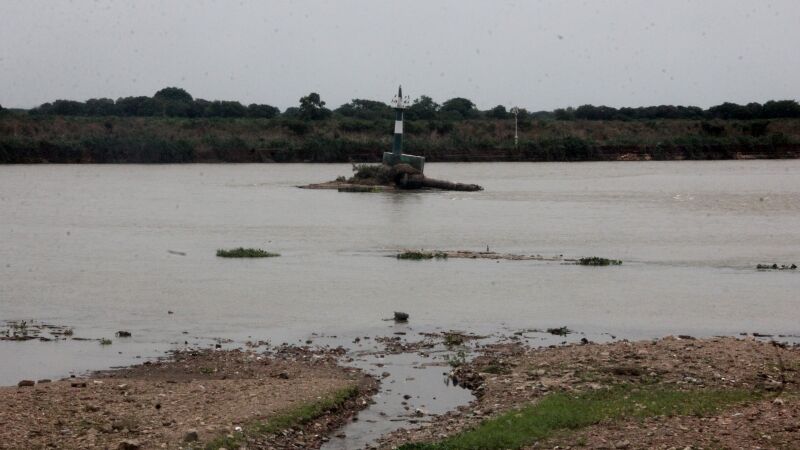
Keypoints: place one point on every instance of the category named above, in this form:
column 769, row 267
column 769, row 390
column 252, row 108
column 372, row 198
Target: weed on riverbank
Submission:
column 300, row 415
column 564, row 411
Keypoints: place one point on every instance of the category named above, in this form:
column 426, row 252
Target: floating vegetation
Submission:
column 242, row 252
column 24, row 330
column 776, row 267
column 105, row 341
column 400, row 316
column 597, row 261
column 453, row 339
column 421, row 255
column 560, row 331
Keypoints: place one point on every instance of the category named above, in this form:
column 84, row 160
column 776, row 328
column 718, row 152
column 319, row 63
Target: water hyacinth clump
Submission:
column 242, row 252
column 597, row 261
column 420, row 255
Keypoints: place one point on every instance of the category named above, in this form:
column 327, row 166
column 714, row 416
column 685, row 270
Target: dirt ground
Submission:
column 155, row 405
column 506, row 376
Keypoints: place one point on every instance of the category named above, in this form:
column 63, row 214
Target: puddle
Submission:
column 412, row 394
column 416, row 389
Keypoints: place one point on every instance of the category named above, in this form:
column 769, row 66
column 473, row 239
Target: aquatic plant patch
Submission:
column 242, row 252
column 420, row 255
column 597, row 261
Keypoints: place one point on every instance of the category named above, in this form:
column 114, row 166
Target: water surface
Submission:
column 88, row 246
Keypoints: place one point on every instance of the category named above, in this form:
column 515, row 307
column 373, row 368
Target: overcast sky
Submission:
column 536, row 54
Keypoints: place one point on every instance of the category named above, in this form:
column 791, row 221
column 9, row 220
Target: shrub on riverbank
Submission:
column 242, row 252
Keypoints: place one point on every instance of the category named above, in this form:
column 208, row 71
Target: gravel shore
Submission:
column 508, row 376
column 183, row 401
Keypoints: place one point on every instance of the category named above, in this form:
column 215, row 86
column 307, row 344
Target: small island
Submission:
column 398, row 170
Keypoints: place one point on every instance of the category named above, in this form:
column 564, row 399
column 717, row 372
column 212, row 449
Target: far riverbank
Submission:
column 28, row 139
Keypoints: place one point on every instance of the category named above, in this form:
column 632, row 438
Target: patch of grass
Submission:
column 457, row 360
column 287, row 419
column 242, row 252
column 563, row 411
column 417, row 256
column 597, row 261
column 378, row 173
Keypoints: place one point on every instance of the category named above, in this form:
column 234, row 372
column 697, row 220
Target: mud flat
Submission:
column 283, row 398
column 668, row 393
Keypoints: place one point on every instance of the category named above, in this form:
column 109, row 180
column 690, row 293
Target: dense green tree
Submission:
column 292, row 112
column 136, row 106
column 781, row 108
column 173, row 94
column 173, row 102
column 199, row 108
column 68, row 108
column 219, row 108
column 498, row 112
column 313, row 108
column 460, row 106
column 729, row 110
column 564, row 113
column 262, row 111
column 100, row 107
column 365, row 109
column 591, row 112
column 423, row 108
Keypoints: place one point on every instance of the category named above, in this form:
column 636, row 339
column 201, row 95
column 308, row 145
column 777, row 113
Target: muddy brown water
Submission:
column 102, row 248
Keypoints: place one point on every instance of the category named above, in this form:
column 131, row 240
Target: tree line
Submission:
column 176, row 102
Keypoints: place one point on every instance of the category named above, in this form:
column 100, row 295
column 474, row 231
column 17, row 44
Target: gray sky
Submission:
column 537, row 54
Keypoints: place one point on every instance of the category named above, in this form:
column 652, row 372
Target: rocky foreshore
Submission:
column 292, row 397
column 193, row 399
column 508, row 376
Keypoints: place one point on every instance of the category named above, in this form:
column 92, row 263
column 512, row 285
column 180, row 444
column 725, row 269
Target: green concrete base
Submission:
column 417, row 162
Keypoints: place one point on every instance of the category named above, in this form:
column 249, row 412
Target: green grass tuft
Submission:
column 417, row 256
column 242, row 252
column 597, row 261
column 288, row 419
column 563, row 411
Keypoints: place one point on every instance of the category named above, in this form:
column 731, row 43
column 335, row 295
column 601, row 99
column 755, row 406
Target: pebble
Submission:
column 129, row 444
column 25, row 383
column 191, row 436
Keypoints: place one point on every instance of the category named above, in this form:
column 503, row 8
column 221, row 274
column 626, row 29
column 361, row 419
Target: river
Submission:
column 102, row 248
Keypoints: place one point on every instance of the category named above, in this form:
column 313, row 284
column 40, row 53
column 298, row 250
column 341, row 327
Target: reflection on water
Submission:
column 89, row 247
